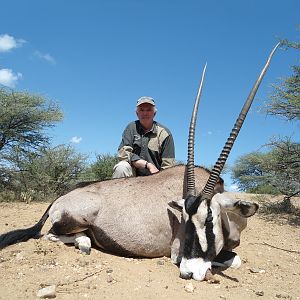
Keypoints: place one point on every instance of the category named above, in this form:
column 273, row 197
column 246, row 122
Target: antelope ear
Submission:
column 177, row 204
column 246, row 209
column 243, row 208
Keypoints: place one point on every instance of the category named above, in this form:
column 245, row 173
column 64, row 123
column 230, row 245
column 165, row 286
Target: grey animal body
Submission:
column 127, row 216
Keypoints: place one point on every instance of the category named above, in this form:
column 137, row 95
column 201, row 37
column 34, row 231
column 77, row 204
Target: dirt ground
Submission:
column 270, row 251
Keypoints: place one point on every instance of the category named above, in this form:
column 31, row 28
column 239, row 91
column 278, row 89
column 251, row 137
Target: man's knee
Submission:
column 122, row 169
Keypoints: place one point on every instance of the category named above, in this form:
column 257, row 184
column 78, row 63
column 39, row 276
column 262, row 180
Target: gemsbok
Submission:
column 182, row 212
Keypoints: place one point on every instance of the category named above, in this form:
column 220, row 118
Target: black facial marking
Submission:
column 192, row 247
column 210, row 236
column 191, row 204
column 224, row 256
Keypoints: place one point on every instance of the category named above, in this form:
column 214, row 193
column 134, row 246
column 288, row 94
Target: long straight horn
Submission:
column 191, row 190
column 215, row 173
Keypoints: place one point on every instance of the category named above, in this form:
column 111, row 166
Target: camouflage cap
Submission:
column 145, row 99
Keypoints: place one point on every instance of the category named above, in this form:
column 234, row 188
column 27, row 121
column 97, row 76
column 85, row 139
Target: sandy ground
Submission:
column 270, row 251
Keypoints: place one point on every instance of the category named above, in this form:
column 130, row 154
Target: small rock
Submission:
column 110, row 279
column 82, row 263
column 109, row 270
column 47, row 292
column 128, row 258
column 19, row 256
column 160, row 262
column 276, row 265
column 259, row 293
column 283, row 296
column 189, row 287
column 254, row 270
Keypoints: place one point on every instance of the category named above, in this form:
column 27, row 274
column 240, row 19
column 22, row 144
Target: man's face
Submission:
column 145, row 113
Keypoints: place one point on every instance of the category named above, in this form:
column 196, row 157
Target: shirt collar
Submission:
column 141, row 130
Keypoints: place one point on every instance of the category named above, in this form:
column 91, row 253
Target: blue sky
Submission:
column 96, row 58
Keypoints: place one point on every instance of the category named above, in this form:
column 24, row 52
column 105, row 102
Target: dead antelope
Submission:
column 158, row 215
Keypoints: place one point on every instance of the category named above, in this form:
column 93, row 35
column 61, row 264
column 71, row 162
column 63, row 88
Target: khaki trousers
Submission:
column 123, row 169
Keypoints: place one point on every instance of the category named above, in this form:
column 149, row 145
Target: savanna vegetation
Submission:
column 33, row 170
column 30, row 168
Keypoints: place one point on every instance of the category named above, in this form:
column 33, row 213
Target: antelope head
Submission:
column 202, row 212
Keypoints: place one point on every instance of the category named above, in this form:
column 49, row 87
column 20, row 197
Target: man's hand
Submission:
column 142, row 164
column 152, row 169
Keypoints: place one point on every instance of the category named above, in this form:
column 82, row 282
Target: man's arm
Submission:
column 168, row 152
column 125, row 153
column 126, row 146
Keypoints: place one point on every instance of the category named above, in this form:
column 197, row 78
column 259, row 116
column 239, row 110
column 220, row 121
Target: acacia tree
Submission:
column 284, row 165
column 102, row 168
column 47, row 173
column 24, row 119
column 274, row 172
column 250, row 174
column 285, row 98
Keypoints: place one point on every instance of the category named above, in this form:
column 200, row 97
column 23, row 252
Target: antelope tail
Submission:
column 22, row 235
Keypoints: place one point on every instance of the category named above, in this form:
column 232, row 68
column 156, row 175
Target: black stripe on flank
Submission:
column 107, row 243
column 68, row 225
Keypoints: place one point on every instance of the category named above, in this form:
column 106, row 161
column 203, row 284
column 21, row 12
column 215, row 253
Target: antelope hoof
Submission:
column 83, row 243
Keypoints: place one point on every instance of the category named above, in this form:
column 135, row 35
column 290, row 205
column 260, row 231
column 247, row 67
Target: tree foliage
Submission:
column 285, row 98
column 249, row 174
column 44, row 174
column 24, row 118
column 102, row 168
column 29, row 168
column 275, row 172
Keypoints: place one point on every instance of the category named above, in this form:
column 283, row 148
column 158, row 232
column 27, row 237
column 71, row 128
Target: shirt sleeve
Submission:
column 168, row 152
column 126, row 146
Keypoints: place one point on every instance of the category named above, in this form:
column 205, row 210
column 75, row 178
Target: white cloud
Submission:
column 8, row 42
column 76, row 140
column 8, row 78
column 45, row 56
column 209, row 132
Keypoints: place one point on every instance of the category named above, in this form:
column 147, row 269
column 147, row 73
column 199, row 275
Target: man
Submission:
column 147, row 146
